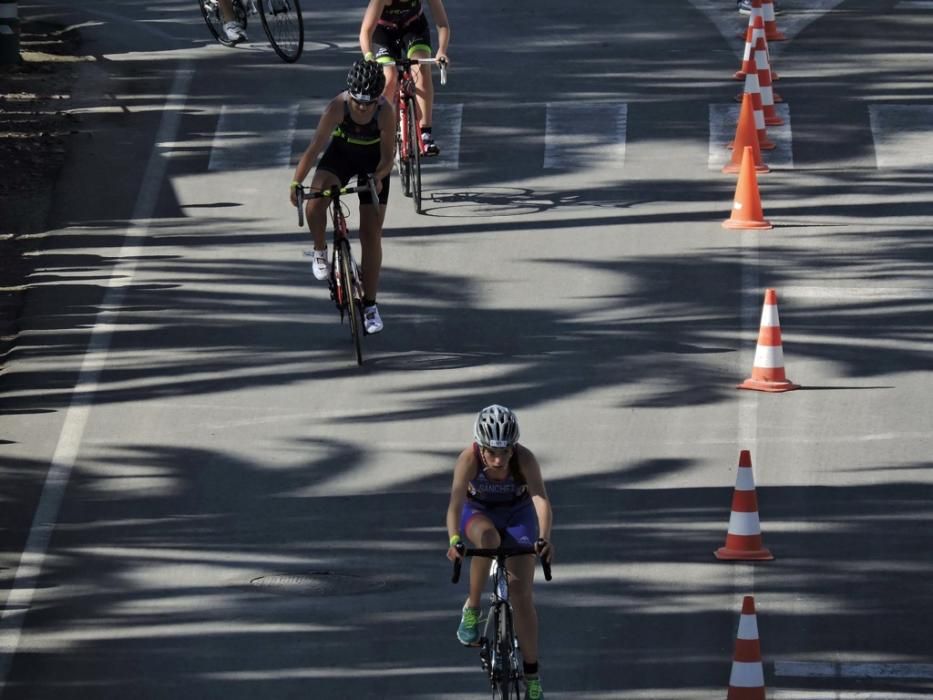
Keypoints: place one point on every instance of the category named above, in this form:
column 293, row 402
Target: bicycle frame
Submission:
column 500, row 655
column 345, row 282
column 405, row 90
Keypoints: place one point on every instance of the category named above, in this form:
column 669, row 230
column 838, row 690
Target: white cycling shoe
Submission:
column 372, row 321
column 319, row 264
column 234, row 31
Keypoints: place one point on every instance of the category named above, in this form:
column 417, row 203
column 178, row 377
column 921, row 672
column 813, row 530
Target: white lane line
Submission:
column 581, row 135
column 76, row 416
column 856, row 293
column 253, row 138
column 723, row 119
column 448, row 122
column 831, row 669
column 903, row 135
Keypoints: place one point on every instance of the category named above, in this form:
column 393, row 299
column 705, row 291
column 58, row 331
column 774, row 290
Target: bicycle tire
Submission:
column 284, row 27
column 415, row 155
column 210, row 11
column 354, row 312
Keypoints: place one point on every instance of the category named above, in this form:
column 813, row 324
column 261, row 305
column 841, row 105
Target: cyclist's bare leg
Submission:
column 226, row 10
column 371, row 220
column 424, row 89
column 391, row 73
column 316, row 209
column 522, row 571
column 483, row 535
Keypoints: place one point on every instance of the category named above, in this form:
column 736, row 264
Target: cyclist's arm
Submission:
column 443, row 27
column 531, row 470
column 332, row 116
column 370, row 18
column 463, row 470
column 386, row 142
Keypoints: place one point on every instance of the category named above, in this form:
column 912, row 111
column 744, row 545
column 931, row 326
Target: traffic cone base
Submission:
column 761, row 385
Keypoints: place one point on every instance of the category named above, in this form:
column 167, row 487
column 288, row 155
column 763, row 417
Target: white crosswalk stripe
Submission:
column 585, row 134
column 722, row 122
column 903, row 135
column 253, row 137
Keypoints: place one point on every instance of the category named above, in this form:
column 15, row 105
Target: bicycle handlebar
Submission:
column 406, row 62
column 302, row 195
column 504, row 552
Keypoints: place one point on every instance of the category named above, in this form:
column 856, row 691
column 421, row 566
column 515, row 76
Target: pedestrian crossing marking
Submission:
column 578, row 134
column 903, row 135
column 253, row 138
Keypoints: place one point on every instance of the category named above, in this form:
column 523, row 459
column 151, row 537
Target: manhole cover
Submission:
column 318, row 583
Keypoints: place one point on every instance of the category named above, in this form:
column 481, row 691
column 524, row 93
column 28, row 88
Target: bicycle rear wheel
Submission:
column 415, row 151
column 346, row 280
column 282, row 22
column 210, row 10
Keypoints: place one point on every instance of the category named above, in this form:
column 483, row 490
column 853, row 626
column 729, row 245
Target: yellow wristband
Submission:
column 295, row 183
column 369, row 56
column 455, row 540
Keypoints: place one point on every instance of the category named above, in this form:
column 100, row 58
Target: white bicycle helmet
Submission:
column 496, row 427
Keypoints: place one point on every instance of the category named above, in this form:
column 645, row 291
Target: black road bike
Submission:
column 499, row 652
column 346, row 284
column 281, row 21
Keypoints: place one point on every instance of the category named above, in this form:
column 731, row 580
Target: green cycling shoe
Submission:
column 468, row 631
column 533, row 689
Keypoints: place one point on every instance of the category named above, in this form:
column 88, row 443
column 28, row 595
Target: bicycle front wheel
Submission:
column 210, row 11
column 346, row 280
column 282, row 23
column 415, row 150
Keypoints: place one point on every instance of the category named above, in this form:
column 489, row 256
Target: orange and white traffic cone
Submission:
column 764, row 83
column 756, row 29
column 745, row 135
column 772, row 33
column 743, row 540
column 755, row 21
column 753, row 88
column 746, row 205
column 747, row 679
column 768, row 369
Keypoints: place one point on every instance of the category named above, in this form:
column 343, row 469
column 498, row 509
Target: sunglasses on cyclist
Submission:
column 364, row 104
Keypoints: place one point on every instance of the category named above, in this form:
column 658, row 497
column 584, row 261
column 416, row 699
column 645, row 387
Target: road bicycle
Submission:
column 408, row 143
column 345, row 282
column 281, row 21
column 499, row 651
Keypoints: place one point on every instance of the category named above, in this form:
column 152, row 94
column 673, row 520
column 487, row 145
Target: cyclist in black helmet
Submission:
column 358, row 131
column 498, row 497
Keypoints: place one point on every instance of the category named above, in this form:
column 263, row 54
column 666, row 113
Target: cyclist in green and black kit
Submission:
column 358, row 131
column 393, row 27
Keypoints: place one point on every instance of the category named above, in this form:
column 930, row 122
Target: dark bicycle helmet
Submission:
column 496, row 427
column 365, row 81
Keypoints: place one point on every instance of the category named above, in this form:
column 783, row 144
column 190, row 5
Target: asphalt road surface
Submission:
column 202, row 495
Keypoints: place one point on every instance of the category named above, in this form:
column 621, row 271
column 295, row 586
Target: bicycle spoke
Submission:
column 282, row 22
